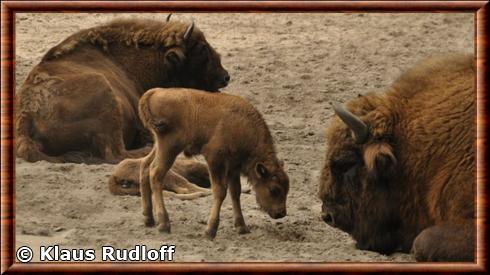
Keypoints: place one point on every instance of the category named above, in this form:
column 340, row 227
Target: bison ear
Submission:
column 261, row 170
column 380, row 162
column 174, row 58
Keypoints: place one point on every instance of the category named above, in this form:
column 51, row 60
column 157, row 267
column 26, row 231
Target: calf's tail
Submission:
column 144, row 110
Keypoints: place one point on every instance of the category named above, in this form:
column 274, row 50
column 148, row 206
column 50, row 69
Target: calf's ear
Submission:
column 261, row 170
column 380, row 162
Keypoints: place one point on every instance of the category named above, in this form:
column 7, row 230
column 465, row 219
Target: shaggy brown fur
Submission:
column 412, row 183
column 230, row 134
column 125, row 179
column 79, row 104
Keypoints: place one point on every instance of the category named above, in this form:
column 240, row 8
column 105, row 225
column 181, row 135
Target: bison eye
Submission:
column 275, row 192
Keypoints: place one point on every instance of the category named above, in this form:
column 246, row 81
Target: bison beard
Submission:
column 377, row 226
column 373, row 225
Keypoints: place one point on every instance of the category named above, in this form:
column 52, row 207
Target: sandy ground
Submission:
column 289, row 66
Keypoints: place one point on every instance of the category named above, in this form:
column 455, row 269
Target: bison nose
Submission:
column 222, row 80
column 328, row 218
column 226, row 78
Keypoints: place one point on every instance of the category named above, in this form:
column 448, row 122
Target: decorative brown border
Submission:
column 8, row 10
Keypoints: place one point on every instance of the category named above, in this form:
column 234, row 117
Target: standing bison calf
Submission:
column 400, row 165
column 230, row 134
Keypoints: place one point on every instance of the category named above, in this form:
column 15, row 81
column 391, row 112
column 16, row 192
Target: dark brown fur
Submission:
column 233, row 138
column 79, row 104
column 412, row 184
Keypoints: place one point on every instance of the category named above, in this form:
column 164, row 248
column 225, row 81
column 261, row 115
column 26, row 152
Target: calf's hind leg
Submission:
column 164, row 158
column 145, row 189
column 446, row 242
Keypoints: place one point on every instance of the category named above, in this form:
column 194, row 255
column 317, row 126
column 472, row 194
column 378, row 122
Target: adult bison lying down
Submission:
column 400, row 165
column 79, row 104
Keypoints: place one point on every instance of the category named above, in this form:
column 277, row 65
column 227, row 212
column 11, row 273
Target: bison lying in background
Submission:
column 79, row 104
column 233, row 138
column 125, row 179
column 400, row 165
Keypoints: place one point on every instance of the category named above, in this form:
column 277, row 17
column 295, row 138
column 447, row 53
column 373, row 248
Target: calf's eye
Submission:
column 275, row 191
column 126, row 184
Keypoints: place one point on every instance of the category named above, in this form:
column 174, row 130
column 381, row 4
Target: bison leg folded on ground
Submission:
column 79, row 125
column 194, row 171
column 446, row 242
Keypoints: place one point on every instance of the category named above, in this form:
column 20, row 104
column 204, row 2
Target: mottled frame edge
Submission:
column 8, row 10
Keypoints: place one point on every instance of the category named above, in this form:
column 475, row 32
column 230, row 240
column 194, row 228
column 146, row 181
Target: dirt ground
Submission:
column 289, row 66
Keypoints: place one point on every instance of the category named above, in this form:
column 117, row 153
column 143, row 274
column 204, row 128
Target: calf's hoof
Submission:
column 149, row 221
column 242, row 229
column 210, row 234
column 241, row 226
column 164, row 228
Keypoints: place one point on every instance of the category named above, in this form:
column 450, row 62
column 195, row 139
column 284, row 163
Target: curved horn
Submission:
column 358, row 127
column 189, row 30
column 168, row 17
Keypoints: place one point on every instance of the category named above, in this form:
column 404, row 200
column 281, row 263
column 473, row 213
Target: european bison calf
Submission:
column 125, row 179
column 233, row 138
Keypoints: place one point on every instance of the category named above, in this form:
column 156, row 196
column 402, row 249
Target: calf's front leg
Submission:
column 219, row 193
column 235, row 191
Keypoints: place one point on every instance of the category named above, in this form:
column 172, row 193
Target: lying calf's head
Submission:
column 125, row 178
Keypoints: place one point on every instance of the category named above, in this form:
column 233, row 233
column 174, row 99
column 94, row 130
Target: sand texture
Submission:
column 289, row 66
